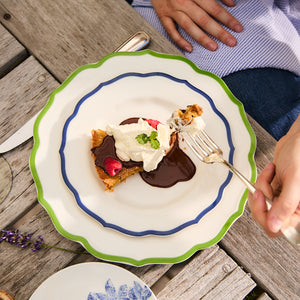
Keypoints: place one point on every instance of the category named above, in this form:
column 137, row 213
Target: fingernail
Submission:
column 212, row 46
column 231, row 42
column 231, row 3
column 238, row 28
column 275, row 224
column 188, row 48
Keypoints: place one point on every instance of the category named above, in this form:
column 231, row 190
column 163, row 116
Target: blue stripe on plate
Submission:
column 150, row 231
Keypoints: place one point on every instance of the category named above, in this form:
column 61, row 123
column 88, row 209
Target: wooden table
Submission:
column 41, row 43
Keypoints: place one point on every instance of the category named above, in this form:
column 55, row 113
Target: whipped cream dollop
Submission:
column 128, row 148
column 195, row 126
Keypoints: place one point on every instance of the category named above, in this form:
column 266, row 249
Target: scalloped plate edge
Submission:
column 153, row 260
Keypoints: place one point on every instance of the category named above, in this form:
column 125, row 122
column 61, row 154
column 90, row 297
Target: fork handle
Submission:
column 292, row 233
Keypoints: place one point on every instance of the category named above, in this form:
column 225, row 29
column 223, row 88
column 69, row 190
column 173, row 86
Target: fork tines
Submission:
column 202, row 145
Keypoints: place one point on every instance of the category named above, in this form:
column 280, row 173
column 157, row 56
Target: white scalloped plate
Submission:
column 107, row 243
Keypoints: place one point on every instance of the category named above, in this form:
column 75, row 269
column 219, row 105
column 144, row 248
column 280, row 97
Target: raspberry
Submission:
column 153, row 123
column 112, row 166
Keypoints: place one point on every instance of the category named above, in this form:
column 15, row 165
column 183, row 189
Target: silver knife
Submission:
column 136, row 42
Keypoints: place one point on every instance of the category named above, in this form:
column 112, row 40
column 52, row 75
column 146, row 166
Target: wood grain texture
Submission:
column 23, row 92
column 211, row 274
column 273, row 263
column 31, row 269
column 264, row 296
column 5, row 179
column 62, row 42
column 11, row 52
column 22, row 270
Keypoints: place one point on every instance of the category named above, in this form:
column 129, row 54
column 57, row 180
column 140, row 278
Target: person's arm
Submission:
column 197, row 18
column 280, row 181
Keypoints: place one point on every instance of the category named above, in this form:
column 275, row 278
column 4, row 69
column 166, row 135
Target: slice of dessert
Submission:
column 136, row 145
column 109, row 169
column 131, row 147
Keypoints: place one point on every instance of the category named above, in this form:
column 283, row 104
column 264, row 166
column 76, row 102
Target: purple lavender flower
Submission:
column 14, row 237
column 23, row 240
column 37, row 245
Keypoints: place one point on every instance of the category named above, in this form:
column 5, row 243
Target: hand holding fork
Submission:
column 209, row 152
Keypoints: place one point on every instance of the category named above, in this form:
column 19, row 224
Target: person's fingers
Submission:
column 172, row 31
column 220, row 14
column 200, row 19
column 258, row 208
column 257, row 201
column 259, row 212
column 262, row 184
column 286, row 204
column 228, row 2
column 210, row 26
column 194, row 31
column 264, row 180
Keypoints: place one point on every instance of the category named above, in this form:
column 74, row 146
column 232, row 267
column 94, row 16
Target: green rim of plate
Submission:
column 82, row 240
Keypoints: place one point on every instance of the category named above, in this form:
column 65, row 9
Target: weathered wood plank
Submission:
column 23, row 92
column 273, row 263
column 29, row 88
column 210, row 274
column 5, row 179
column 22, row 270
column 235, row 286
column 22, row 195
column 264, row 296
column 151, row 273
column 63, row 43
column 11, row 52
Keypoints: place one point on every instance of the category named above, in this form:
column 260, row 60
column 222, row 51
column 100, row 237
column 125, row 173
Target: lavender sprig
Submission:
column 14, row 237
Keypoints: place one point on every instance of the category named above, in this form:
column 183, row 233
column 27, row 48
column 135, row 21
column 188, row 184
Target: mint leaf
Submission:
column 154, row 144
column 152, row 139
column 142, row 138
column 153, row 135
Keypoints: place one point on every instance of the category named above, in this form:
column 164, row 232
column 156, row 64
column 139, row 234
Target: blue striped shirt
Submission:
column 270, row 37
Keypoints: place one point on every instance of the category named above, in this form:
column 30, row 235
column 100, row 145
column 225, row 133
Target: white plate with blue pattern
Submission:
column 93, row 281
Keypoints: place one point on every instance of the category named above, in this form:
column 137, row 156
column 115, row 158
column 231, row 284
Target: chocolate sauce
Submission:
column 108, row 149
column 176, row 166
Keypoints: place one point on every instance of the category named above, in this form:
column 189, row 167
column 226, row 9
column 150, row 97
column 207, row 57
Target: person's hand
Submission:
column 198, row 18
column 280, row 181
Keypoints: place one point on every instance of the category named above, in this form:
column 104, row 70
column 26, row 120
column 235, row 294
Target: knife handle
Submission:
column 136, row 42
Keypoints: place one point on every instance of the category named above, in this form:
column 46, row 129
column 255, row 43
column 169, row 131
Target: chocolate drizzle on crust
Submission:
column 110, row 182
column 107, row 149
column 175, row 166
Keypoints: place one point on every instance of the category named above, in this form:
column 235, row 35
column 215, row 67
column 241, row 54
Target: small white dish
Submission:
column 93, row 281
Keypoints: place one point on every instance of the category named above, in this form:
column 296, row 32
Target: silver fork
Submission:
column 209, row 152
